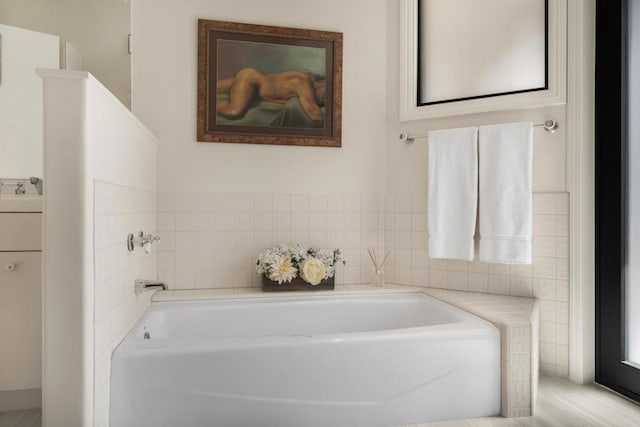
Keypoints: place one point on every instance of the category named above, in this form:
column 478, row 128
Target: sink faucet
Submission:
column 38, row 183
column 20, row 190
column 143, row 285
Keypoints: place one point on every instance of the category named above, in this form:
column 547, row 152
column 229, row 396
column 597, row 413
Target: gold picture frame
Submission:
column 261, row 84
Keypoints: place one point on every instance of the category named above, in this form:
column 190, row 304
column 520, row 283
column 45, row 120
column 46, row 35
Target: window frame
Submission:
column 611, row 237
column 555, row 94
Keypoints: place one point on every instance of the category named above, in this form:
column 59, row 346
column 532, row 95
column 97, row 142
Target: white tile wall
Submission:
column 118, row 211
column 212, row 240
column 546, row 279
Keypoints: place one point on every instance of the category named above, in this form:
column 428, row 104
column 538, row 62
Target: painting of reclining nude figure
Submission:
column 268, row 85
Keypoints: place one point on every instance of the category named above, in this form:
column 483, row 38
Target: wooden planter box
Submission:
column 297, row 284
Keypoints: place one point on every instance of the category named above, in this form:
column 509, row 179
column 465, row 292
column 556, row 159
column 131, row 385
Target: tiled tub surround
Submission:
column 212, row 240
column 119, row 211
column 517, row 318
column 547, row 279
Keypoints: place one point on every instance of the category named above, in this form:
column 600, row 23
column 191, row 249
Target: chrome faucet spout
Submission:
column 143, row 285
column 38, row 183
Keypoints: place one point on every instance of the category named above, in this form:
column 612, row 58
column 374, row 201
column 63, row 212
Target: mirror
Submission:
column 480, row 48
column 21, row 52
column 475, row 56
column 77, row 42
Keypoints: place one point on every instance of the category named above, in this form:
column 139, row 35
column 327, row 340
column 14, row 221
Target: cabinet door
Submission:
column 20, row 320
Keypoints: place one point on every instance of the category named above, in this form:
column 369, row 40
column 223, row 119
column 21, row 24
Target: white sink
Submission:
column 20, row 203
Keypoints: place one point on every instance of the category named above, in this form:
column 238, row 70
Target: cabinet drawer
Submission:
column 21, row 231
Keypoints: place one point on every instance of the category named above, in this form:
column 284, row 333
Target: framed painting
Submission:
column 260, row 84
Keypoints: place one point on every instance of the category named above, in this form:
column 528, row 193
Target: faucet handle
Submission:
column 142, row 240
column 20, row 190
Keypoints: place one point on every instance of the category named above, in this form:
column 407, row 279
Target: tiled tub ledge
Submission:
column 222, row 293
column 517, row 319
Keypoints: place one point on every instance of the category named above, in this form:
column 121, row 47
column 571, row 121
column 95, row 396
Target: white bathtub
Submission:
column 354, row 360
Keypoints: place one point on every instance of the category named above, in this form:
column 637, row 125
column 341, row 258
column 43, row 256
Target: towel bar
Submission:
column 549, row 125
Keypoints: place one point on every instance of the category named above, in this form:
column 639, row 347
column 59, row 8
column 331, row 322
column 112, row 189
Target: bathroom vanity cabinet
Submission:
column 20, row 303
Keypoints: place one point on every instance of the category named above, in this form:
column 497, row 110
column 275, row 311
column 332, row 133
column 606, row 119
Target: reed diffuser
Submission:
column 378, row 273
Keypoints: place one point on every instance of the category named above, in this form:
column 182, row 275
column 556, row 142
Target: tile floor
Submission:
column 28, row 418
column 563, row 403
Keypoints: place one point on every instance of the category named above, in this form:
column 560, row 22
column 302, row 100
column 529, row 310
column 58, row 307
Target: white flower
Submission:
column 283, row 263
column 312, row 270
column 298, row 253
column 282, row 270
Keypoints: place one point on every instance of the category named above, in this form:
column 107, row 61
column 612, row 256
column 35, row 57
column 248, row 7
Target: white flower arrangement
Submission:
column 284, row 263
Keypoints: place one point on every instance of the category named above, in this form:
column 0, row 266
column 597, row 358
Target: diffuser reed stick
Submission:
column 378, row 274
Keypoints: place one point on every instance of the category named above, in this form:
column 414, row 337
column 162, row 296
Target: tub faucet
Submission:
column 143, row 285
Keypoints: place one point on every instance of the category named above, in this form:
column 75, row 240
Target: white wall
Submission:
column 164, row 86
column 221, row 204
column 371, row 161
column 99, row 166
column 97, row 28
column 21, row 98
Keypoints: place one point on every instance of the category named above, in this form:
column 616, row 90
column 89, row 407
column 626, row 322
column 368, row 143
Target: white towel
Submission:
column 453, row 192
column 506, row 153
